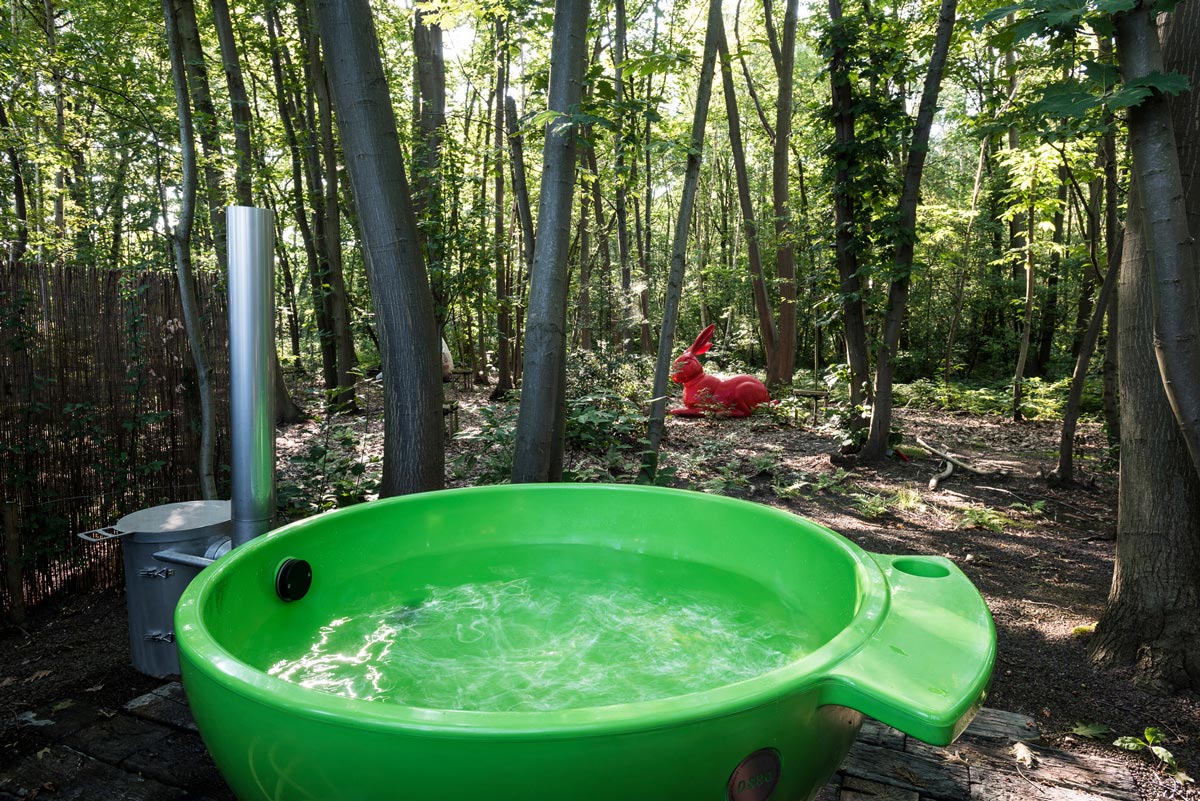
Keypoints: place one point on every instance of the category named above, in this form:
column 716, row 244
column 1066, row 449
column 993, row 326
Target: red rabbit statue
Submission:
column 728, row 397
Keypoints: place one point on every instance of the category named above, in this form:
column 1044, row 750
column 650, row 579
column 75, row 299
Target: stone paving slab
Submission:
column 63, row 774
column 150, row 751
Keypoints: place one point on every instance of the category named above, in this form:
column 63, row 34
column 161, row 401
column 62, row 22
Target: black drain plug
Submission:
column 293, row 579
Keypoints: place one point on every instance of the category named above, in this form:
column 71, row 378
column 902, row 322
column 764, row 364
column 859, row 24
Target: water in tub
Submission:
column 555, row 627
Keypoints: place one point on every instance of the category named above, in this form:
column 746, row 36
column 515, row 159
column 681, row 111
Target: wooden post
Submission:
column 12, row 558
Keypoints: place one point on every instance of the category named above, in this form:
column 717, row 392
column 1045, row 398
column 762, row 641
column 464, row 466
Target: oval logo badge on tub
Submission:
column 754, row 779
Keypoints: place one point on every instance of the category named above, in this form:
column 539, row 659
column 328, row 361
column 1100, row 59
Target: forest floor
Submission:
column 1041, row 555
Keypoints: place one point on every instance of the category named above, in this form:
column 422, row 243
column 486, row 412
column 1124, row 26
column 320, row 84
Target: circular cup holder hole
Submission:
column 921, row 567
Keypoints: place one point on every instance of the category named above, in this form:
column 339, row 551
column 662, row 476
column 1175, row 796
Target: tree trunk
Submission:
column 181, row 239
column 1158, row 166
column 427, row 156
column 845, row 204
column 288, row 115
column 1112, row 232
column 21, row 243
column 622, row 174
column 1153, row 611
column 413, row 449
column 1065, row 471
column 687, row 199
column 1027, row 320
column 520, row 188
column 906, row 236
column 286, row 410
column 503, row 309
column 762, row 301
column 1049, row 321
column 540, row 424
column 784, row 365
column 205, row 123
column 965, row 256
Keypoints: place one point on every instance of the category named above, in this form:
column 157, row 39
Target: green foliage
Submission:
column 1092, row 731
column 985, row 518
column 1042, row 399
column 869, row 505
column 332, row 472
column 818, row 483
column 490, row 448
column 1150, row 741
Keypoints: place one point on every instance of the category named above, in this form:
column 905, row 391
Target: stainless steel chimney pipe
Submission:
column 251, row 235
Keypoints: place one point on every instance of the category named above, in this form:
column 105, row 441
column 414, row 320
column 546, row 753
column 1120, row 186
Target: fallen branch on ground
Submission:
column 952, row 462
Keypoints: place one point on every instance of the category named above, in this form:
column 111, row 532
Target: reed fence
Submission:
column 99, row 415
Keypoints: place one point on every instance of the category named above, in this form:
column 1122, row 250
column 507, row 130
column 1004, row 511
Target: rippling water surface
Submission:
column 556, row 640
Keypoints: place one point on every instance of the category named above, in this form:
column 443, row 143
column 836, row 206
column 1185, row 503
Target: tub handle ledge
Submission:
column 926, row 668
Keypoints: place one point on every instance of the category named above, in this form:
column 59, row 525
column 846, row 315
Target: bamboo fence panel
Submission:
column 98, row 412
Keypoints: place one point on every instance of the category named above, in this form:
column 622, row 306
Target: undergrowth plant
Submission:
column 984, row 517
column 1151, row 742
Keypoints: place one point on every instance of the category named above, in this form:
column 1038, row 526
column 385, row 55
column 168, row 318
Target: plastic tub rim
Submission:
column 202, row 652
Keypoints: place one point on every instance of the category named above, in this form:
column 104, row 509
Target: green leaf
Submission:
column 1129, row 743
column 1153, row 735
column 1164, row 756
column 1093, row 731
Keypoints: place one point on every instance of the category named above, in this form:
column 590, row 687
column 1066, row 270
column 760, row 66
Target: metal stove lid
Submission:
column 175, row 517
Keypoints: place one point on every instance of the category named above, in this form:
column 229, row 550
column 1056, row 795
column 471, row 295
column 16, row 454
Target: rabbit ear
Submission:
column 703, row 342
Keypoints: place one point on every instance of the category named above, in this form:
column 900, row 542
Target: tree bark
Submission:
column 504, row 382
column 286, row 410
column 21, row 244
column 1049, row 320
column 906, row 236
column 181, row 239
column 413, row 452
column 541, row 420
column 1026, row 320
column 1065, row 471
column 205, row 120
column 1170, row 246
column 1153, row 611
column 520, row 188
column 845, row 204
column 687, row 199
column 762, row 301
column 784, row 365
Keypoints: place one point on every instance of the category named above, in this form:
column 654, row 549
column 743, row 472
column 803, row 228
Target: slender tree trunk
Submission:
column 286, row 410
column 1049, row 320
column 205, row 122
column 21, row 243
column 540, row 423
column 601, row 229
column 687, row 199
column 288, row 115
column 622, row 143
column 181, row 242
column 583, row 311
column 845, row 204
column 520, row 188
column 784, row 365
column 1112, row 229
column 427, row 155
column 1065, row 471
column 965, row 257
column 1026, row 320
column 413, row 453
column 503, row 308
column 905, row 238
column 762, row 301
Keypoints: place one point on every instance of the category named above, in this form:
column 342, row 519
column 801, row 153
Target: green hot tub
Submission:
column 566, row 641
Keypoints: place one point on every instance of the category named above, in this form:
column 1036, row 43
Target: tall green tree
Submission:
column 413, row 451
